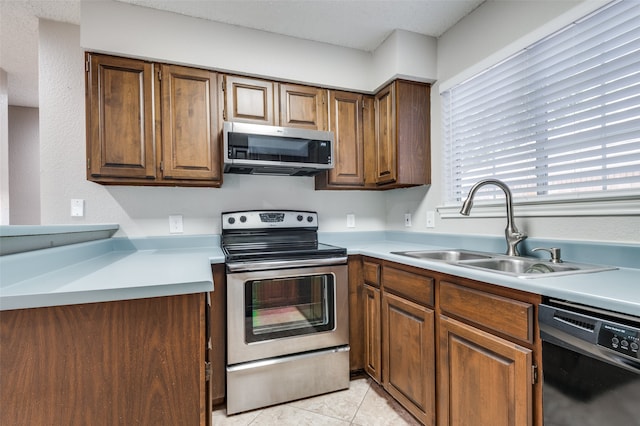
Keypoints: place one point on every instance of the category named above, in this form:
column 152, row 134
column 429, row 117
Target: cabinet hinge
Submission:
column 87, row 65
column 224, row 114
column 162, row 166
column 88, row 163
column 534, row 374
column 224, row 85
column 159, row 75
column 207, row 371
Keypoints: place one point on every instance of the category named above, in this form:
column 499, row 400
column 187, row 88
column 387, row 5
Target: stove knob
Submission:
column 231, row 220
column 243, row 219
column 615, row 341
column 634, row 347
column 624, row 344
column 300, row 218
column 309, row 219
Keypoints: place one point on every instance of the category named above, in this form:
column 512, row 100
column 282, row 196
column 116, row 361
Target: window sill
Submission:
column 623, row 206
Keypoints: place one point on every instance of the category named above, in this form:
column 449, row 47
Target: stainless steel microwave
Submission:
column 272, row 150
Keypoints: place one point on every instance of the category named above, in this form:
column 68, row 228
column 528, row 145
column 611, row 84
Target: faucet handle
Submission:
column 553, row 251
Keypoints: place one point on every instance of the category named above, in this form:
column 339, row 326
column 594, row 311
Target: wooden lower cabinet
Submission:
column 452, row 351
column 130, row 362
column 218, row 327
column 483, row 379
column 409, row 355
column 372, row 362
column 399, row 348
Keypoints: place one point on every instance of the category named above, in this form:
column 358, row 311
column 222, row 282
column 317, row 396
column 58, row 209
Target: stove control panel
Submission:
column 260, row 219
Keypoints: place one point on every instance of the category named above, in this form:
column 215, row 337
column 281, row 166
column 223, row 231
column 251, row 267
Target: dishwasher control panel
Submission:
column 620, row 338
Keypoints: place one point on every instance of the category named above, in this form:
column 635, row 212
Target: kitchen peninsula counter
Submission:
column 108, row 270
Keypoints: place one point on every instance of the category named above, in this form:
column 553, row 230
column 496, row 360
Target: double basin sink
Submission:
column 523, row 267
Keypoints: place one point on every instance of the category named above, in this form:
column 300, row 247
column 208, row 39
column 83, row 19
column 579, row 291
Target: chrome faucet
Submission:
column 511, row 233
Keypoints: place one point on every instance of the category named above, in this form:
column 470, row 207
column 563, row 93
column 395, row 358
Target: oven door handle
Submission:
column 280, row 264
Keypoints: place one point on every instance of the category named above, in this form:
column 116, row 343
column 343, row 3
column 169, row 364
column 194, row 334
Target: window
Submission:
column 558, row 121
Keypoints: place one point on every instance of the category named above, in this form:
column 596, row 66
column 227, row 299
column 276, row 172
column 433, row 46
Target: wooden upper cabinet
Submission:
column 385, row 136
column 346, row 122
column 303, row 107
column 401, row 146
column 391, row 147
column 249, row 100
column 151, row 124
column 189, row 124
column 120, row 118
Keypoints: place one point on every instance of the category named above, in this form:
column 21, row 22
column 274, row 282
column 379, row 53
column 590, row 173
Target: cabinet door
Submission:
column 372, row 364
column 346, row 122
column 120, row 118
column 409, row 355
column 249, row 100
column 385, row 136
column 126, row 362
column 483, row 379
column 303, row 107
column 345, row 110
column 218, row 327
column 190, row 148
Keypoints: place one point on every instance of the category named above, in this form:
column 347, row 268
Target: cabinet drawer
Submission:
column 371, row 273
column 508, row 316
column 412, row 286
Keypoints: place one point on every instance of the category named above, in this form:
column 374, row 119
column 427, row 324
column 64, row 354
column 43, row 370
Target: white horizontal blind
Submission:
column 559, row 120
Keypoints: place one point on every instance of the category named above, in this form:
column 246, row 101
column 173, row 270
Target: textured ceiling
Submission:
column 358, row 24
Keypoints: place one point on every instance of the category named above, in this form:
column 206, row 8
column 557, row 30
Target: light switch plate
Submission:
column 175, row 224
column 431, row 219
column 77, row 208
column 351, row 220
column 407, row 220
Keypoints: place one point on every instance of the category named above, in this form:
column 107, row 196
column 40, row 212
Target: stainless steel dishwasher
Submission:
column 591, row 365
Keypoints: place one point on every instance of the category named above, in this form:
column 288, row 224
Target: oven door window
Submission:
column 291, row 306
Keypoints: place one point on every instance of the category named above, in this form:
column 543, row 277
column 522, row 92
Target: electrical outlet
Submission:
column 351, row 220
column 431, row 219
column 77, row 208
column 407, row 220
column 175, row 224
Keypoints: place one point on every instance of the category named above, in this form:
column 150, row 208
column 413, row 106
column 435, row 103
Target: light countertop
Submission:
column 121, row 268
column 107, row 270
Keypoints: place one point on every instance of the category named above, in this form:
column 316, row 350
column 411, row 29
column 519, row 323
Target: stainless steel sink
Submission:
column 526, row 267
column 523, row 267
column 445, row 255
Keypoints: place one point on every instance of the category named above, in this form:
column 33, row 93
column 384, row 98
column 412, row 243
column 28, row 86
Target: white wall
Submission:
column 141, row 211
column 4, row 149
column 24, row 166
column 144, row 211
column 128, row 30
column 489, row 34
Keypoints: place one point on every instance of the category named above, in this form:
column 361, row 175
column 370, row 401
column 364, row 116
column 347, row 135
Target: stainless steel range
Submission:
column 287, row 309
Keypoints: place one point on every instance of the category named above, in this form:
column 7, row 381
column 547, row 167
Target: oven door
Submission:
column 286, row 311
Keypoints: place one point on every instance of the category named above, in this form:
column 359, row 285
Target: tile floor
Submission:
column 365, row 403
